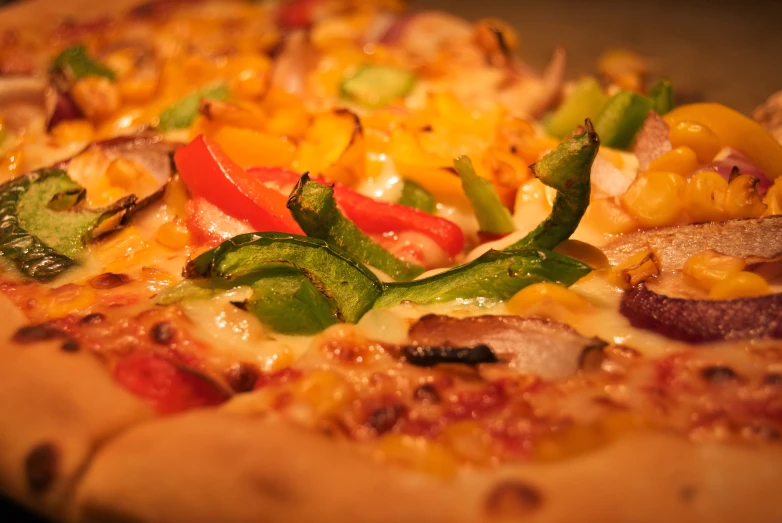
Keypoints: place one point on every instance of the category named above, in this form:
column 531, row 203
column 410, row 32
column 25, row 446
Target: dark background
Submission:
column 718, row 50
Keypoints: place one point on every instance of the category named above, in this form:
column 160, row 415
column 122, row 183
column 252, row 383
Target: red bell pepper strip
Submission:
column 210, row 174
column 376, row 217
column 297, row 14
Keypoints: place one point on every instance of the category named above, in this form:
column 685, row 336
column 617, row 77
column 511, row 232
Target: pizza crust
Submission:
column 208, row 466
column 56, row 408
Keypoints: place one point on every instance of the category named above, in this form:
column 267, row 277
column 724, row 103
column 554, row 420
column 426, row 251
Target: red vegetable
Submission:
column 298, row 14
column 210, row 174
column 376, row 217
column 167, row 386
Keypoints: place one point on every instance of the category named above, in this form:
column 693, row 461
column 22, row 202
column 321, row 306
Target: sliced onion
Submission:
column 293, row 64
column 652, row 141
column 698, row 321
column 608, row 179
column 730, row 158
column 26, row 102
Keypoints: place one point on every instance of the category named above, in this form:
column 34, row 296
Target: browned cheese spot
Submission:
column 92, row 319
column 109, row 280
column 512, row 499
column 36, row 333
column 383, row 419
column 163, row 332
column 427, row 392
column 40, row 467
column 773, row 379
column 242, row 376
column 718, row 374
column 70, row 345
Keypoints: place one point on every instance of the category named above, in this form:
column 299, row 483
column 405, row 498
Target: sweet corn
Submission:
column 636, row 269
column 773, row 199
column 543, row 296
column 68, row 298
column 583, row 251
column 173, row 235
column 137, row 89
column 707, row 268
column 325, row 392
column 129, row 175
column 606, row 216
column 96, row 96
column 73, row 131
column 705, row 196
column 176, row 197
column 428, row 456
column 742, row 199
column 655, row 198
column 156, row 279
column 697, row 137
column 740, row 285
column 681, row 160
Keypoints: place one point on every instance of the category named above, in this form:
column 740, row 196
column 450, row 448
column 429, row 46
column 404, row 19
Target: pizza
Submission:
column 326, row 260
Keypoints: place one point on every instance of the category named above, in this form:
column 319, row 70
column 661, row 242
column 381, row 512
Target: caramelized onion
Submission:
column 698, row 321
column 534, row 345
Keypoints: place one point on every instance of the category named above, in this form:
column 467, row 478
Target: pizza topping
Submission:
column 182, row 114
column 37, row 333
column 652, row 141
column 424, row 356
column 242, row 376
column 621, row 118
column 109, row 280
column 74, row 64
column 70, row 345
column 661, row 94
column 40, row 467
column 718, row 374
column 92, row 318
column 494, row 276
column 376, row 86
column 585, row 100
column 512, row 499
column 565, row 169
column 699, row 321
column 163, row 332
column 493, row 217
column 314, row 207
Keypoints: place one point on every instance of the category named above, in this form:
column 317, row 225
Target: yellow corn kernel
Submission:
column 583, row 251
column 705, row 197
column 68, row 298
column 605, row 215
column 129, row 175
column 176, row 197
column 137, row 89
column 173, row 235
column 773, row 199
column 326, row 392
column 697, row 137
column 636, row 269
column 708, row 268
column 742, row 199
column 542, row 296
column 96, row 96
column 156, row 279
column 681, row 160
column 73, row 131
column 655, row 198
column 740, row 285
column 418, row 452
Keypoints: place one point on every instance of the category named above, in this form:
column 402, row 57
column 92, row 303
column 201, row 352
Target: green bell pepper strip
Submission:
column 622, row 118
column 313, row 206
column 377, row 85
column 415, row 196
column 352, row 286
column 566, row 169
column 42, row 227
column 495, row 276
column 661, row 95
column 75, row 63
column 182, row 113
column 492, row 216
column 586, row 100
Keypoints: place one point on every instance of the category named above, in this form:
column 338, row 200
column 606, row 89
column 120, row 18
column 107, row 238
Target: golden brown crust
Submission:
column 218, row 466
column 56, row 407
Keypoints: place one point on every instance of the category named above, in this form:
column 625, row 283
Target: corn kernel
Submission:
column 697, row 137
column 542, row 296
column 68, row 298
column 173, row 235
column 742, row 199
column 137, row 89
column 129, row 175
column 740, row 285
column 681, row 160
column 655, row 198
column 73, row 131
column 636, row 269
column 583, row 251
column 705, row 196
column 96, row 96
column 708, row 268
column 326, row 392
column 605, row 215
column 176, row 197
column 773, row 199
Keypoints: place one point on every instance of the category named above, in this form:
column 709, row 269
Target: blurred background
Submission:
column 718, row 50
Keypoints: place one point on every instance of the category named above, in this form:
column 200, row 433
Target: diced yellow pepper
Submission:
column 251, row 148
column 740, row 285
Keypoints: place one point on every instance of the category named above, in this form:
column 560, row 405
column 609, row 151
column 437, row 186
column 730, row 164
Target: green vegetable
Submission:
column 661, row 95
column 353, row 287
column 415, row 196
column 313, row 206
column 183, row 112
column 586, row 100
column 495, row 276
column 492, row 216
column 75, row 63
column 42, row 226
column 377, row 85
column 622, row 118
column 566, row 169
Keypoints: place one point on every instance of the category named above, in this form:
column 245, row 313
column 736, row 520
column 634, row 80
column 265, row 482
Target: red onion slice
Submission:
column 730, row 158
